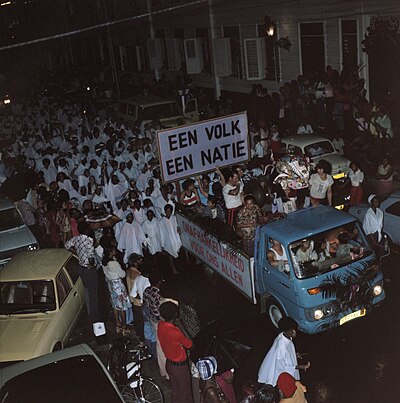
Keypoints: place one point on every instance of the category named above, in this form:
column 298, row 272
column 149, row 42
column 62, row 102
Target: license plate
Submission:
column 352, row 316
column 339, row 207
column 339, row 175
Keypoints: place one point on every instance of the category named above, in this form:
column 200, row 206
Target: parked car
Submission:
column 41, row 297
column 15, row 236
column 72, row 375
column 318, row 148
column 149, row 108
column 391, row 211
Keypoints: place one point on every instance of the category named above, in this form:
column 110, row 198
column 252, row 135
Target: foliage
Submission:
column 381, row 32
column 284, row 43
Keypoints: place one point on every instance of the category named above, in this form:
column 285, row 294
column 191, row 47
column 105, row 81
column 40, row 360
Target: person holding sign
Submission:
column 233, row 196
column 189, row 198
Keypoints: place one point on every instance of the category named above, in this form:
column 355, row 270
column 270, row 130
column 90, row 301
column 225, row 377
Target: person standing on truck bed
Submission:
column 277, row 255
column 233, row 196
column 282, row 356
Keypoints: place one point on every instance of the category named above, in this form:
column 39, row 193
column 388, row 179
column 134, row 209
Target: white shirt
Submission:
column 139, row 285
column 373, row 222
column 357, row 178
column 113, row 271
column 231, row 201
column 280, row 358
column 318, row 187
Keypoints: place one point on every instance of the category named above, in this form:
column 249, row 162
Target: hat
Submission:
column 286, row 324
column 286, row 384
column 371, row 197
column 207, row 367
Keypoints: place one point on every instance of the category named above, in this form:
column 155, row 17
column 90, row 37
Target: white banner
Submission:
column 237, row 269
column 190, row 150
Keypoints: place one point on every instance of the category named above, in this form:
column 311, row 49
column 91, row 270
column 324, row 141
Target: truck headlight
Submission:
column 318, row 314
column 33, row 247
column 377, row 290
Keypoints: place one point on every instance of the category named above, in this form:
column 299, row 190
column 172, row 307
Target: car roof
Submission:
column 5, row 204
column 147, row 100
column 19, row 368
column 307, row 222
column 35, row 265
column 302, row 140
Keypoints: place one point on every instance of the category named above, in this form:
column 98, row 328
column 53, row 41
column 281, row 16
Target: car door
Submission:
column 392, row 220
column 278, row 283
column 72, row 269
column 69, row 301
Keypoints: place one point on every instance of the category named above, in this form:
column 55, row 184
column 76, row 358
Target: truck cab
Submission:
column 149, row 108
column 327, row 290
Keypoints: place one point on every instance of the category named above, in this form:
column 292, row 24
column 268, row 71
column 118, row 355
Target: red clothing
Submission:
column 173, row 341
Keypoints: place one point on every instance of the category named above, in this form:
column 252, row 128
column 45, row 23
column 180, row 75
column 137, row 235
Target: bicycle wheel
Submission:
column 148, row 392
column 116, row 365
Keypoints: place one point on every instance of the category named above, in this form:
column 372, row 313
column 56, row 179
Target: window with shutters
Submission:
column 233, row 33
column 205, row 43
column 349, row 44
column 312, row 48
column 254, row 51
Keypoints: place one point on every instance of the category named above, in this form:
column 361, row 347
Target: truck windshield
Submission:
column 319, row 148
column 329, row 250
column 160, row 111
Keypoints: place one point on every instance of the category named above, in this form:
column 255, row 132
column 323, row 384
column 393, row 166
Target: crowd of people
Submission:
column 94, row 187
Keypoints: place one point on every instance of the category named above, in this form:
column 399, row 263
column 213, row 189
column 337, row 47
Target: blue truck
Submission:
column 323, row 292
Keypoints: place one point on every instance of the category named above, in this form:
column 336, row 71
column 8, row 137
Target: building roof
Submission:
column 304, row 223
column 43, row 264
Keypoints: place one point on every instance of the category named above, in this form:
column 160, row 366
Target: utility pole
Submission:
column 213, row 34
column 152, row 32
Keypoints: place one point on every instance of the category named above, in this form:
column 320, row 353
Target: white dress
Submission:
column 153, row 232
column 170, row 239
column 131, row 239
column 373, row 222
column 281, row 357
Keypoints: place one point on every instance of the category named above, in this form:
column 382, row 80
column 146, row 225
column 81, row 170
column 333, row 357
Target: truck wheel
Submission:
column 275, row 312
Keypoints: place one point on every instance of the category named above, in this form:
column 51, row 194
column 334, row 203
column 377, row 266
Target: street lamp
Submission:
column 269, row 26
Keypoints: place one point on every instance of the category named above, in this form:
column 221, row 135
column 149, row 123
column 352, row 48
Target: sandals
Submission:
column 126, row 331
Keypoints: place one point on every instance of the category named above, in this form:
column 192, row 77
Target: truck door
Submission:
column 279, row 283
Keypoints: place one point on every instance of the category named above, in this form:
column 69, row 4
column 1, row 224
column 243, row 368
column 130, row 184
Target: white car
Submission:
column 318, row 148
column 15, row 236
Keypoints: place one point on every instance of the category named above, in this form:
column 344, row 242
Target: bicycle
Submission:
column 125, row 367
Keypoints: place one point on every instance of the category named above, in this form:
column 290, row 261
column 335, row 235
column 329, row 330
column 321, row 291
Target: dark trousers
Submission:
column 181, row 382
column 139, row 323
column 90, row 281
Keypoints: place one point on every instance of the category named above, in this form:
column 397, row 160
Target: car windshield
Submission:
column 319, row 148
column 78, row 379
column 161, row 111
column 9, row 219
column 329, row 250
column 22, row 297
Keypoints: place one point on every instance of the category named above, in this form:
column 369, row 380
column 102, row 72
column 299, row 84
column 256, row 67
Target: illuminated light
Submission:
column 377, row 290
column 339, row 175
column 339, row 207
column 7, row 3
column 313, row 291
column 318, row 314
column 7, row 101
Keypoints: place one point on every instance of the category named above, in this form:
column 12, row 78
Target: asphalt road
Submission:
column 356, row 363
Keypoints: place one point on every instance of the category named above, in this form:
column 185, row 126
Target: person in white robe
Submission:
column 151, row 229
column 282, row 356
column 170, row 238
column 121, row 213
column 114, row 190
column 139, row 214
column 131, row 238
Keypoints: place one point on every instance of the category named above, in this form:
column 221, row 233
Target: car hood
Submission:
column 16, row 238
column 338, row 162
column 20, row 335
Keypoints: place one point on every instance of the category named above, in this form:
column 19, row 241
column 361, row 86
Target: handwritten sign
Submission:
column 189, row 150
column 237, row 269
